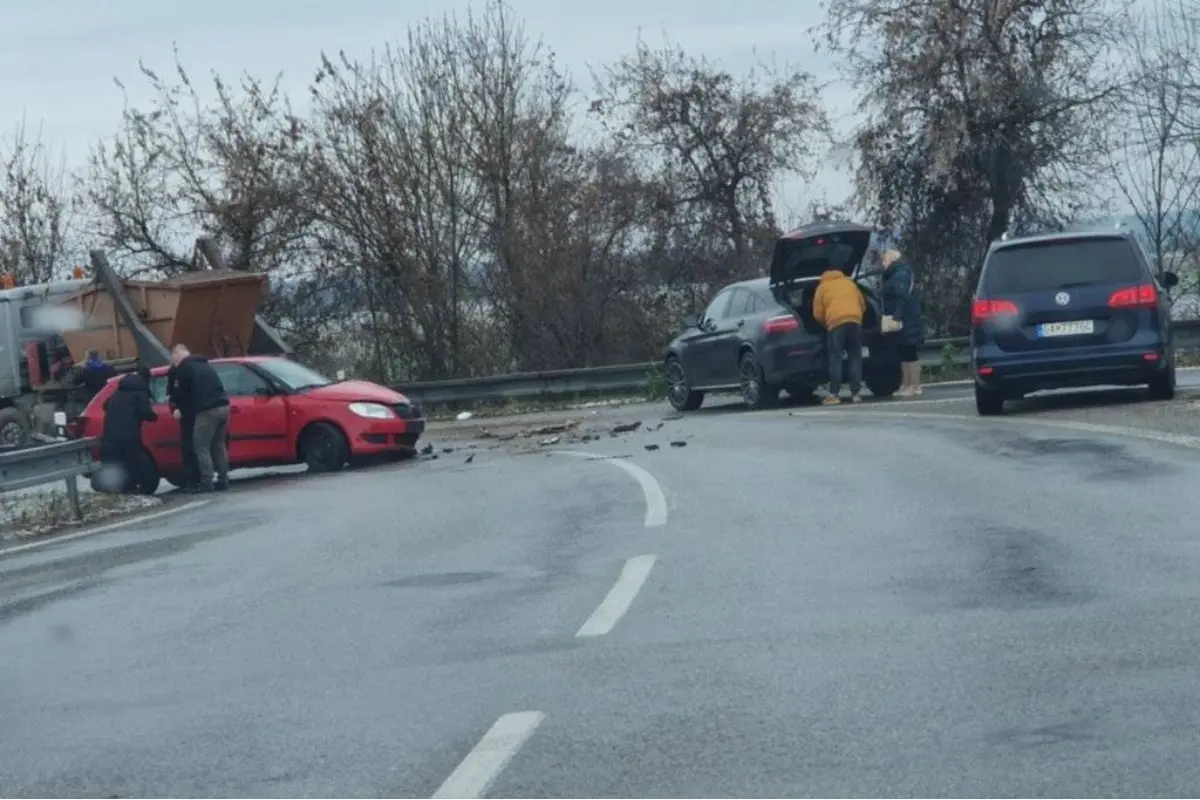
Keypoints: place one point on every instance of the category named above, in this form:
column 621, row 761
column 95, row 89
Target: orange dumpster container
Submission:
column 210, row 311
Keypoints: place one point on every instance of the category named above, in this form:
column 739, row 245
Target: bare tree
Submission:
column 518, row 137
column 37, row 211
column 1158, row 148
column 233, row 168
column 977, row 110
column 718, row 142
column 400, row 202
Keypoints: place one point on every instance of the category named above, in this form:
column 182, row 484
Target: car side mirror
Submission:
column 1170, row 280
column 264, row 391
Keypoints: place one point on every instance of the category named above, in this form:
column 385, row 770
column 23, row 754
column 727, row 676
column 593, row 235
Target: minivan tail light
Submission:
column 982, row 310
column 778, row 325
column 1134, row 297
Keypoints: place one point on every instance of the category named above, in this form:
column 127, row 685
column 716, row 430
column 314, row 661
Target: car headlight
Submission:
column 372, row 410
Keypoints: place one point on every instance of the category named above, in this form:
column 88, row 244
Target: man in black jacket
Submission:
column 187, row 423
column 121, row 441
column 200, row 396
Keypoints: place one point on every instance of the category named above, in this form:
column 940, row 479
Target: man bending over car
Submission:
column 839, row 306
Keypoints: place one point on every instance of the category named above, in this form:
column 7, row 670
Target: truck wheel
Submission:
column 14, row 427
column 323, row 448
column 882, row 375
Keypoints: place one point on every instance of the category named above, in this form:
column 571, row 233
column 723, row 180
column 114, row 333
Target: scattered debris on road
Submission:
column 678, row 443
column 470, row 458
column 651, row 447
column 551, row 440
column 626, row 427
column 560, row 428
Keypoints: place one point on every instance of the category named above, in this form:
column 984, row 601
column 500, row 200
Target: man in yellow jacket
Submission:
column 839, row 306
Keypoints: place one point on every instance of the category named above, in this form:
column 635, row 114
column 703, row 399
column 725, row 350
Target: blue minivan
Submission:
column 1070, row 310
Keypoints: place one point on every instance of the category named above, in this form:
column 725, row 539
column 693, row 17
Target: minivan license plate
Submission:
column 1078, row 328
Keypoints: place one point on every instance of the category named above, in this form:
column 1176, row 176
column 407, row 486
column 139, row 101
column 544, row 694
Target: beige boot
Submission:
column 914, row 377
column 905, row 389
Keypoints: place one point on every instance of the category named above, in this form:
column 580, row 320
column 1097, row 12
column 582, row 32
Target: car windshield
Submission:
column 293, row 375
column 1050, row 266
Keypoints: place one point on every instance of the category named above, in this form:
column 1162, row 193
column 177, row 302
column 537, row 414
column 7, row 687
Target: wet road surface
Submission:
column 824, row 603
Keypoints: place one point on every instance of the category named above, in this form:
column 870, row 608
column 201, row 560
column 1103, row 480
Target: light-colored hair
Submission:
column 889, row 257
column 181, row 350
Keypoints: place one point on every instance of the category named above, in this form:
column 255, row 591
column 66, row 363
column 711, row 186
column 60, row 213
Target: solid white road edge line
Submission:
column 112, row 526
column 619, row 597
column 488, row 759
column 656, row 501
column 1183, row 440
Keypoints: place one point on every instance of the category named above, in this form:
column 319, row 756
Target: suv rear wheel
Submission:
column 1163, row 385
column 989, row 402
column 882, row 375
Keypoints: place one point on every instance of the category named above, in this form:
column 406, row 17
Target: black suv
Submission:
column 1070, row 310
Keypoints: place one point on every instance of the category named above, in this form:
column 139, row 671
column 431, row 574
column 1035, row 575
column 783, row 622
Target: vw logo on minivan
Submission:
column 1062, row 298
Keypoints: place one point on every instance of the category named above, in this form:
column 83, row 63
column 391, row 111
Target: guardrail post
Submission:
column 73, row 496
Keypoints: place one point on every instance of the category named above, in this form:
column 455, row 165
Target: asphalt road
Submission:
column 803, row 602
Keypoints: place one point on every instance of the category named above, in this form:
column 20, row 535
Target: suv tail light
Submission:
column 784, row 324
column 982, row 310
column 74, row 428
column 1134, row 297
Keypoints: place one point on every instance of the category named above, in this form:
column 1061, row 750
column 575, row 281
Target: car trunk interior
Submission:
column 802, row 256
column 800, row 299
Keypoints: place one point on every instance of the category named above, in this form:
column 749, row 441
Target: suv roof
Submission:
column 1038, row 238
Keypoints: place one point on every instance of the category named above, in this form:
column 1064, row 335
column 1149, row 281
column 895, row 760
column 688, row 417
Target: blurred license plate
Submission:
column 1079, row 328
column 866, row 352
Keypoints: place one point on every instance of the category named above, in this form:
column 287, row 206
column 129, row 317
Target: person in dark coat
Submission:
column 182, row 411
column 902, row 303
column 121, row 441
column 199, row 390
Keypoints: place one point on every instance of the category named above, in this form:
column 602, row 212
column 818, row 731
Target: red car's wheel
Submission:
column 323, row 447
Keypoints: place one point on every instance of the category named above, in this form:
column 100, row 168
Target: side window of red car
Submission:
column 239, row 381
column 158, row 390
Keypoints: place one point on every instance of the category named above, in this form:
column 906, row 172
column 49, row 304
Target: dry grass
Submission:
column 31, row 514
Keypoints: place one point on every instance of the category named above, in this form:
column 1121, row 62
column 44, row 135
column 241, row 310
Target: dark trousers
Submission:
column 845, row 341
column 187, row 446
column 131, row 458
column 212, row 450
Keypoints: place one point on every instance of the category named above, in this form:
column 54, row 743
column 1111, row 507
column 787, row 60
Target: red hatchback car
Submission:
column 280, row 412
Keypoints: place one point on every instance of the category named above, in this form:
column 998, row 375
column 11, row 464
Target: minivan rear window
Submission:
column 1049, row 266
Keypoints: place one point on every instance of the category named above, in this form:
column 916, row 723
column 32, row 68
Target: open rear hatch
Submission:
column 802, row 255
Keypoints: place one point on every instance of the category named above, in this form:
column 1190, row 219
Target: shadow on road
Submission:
column 1073, row 400
column 250, row 480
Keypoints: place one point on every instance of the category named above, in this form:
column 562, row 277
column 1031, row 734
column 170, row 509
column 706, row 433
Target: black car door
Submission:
column 697, row 355
column 728, row 339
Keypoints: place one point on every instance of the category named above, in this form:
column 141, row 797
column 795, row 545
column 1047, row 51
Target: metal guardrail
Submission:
column 636, row 377
column 34, row 466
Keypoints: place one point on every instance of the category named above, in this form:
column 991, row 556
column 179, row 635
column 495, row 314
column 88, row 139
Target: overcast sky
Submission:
column 59, row 57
